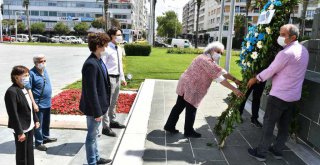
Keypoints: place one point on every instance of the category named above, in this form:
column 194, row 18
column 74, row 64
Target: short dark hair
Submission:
column 97, row 39
column 113, row 31
column 17, row 71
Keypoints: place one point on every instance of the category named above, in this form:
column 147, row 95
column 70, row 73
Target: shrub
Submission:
column 184, row 51
column 137, row 49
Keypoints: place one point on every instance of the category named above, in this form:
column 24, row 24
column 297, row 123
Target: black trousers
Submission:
column 24, row 150
column 176, row 111
column 257, row 90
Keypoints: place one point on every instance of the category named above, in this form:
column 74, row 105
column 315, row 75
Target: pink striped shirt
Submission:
column 287, row 72
column 196, row 80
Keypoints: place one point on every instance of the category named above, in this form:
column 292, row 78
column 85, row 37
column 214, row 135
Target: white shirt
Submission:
column 111, row 60
column 30, row 105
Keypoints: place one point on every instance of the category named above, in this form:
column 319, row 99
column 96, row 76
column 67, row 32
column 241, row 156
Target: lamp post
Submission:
column 1, row 9
column 16, row 22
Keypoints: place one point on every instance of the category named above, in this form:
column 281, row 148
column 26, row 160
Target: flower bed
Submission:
column 67, row 102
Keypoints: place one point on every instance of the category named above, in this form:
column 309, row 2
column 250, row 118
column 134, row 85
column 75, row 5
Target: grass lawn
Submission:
column 47, row 44
column 160, row 65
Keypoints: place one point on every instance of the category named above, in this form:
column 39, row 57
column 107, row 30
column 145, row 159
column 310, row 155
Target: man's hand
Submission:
column 238, row 82
column 251, row 82
column 98, row 118
column 35, row 107
column 21, row 137
column 37, row 125
column 238, row 93
column 124, row 83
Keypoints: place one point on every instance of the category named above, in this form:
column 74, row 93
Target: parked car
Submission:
column 43, row 39
column 7, row 38
column 73, row 40
column 180, row 43
column 56, row 39
column 22, row 38
column 35, row 37
column 160, row 44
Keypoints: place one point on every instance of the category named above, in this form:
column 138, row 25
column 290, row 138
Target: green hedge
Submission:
column 137, row 49
column 184, row 51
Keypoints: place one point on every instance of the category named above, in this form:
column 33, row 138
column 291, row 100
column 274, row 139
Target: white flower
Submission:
column 248, row 44
column 256, row 34
column 268, row 30
column 259, row 44
column 243, row 63
column 243, row 50
column 254, row 55
column 248, row 64
column 248, row 35
column 271, row 0
column 271, row 7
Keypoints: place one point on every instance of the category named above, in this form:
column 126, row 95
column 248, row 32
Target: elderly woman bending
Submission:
column 193, row 86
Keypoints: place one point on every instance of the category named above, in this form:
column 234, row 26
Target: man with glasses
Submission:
column 113, row 61
column 40, row 86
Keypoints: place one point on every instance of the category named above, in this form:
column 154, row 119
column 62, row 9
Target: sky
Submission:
column 166, row 5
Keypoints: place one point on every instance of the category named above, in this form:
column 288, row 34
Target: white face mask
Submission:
column 25, row 81
column 119, row 39
column 41, row 66
column 281, row 42
column 216, row 56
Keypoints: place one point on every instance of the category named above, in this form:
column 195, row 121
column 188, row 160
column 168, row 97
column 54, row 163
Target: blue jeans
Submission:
column 42, row 132
column 91, row 140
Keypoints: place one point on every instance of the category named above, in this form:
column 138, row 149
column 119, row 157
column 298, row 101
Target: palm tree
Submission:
column 105, row 7
column 26, row 5
column 303, row 16
column 197, row 24
column 248, row 5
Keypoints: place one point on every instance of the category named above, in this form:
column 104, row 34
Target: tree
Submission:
column 21, row 27
column 197, row 24
column 81, row 28
column 61, row 28
column 105, row 8
column 26, row 5
column 248, row 5
column 239, row 27
column 303, row 16
column 168, row 25
column 98, row 23
column 115, row 23
column 38, row 28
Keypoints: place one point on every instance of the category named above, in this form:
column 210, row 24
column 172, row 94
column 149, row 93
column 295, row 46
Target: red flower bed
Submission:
column 67, row 102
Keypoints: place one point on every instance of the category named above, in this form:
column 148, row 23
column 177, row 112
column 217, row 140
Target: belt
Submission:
column 114, row 76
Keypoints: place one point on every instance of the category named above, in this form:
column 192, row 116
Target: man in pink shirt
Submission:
column 287, row 72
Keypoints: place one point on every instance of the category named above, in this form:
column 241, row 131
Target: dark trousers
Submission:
column 277, row 111
column 43, row 131
column 176, row 111
column 24, row 150
column 257, row 90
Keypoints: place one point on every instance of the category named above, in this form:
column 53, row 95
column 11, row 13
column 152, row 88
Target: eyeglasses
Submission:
column 41, row 61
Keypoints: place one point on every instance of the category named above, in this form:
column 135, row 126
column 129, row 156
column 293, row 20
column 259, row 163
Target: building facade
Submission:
column 130, row 13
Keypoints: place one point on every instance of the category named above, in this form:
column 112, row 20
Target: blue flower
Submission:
column 278, row 3
column 250, row 48
column 261, row 36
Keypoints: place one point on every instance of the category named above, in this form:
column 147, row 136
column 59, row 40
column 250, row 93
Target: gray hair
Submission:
column 216, row 45
column 293, row 30
column 37, row 57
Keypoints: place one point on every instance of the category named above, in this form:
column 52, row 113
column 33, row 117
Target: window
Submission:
column 79, row 4
column 237, row 9
column 225, row 28
column 310, row 13
column 34, row 13
column 44, row 13
column 52, row 4
column 52, row 13
column 256, row 10
column 71, row 14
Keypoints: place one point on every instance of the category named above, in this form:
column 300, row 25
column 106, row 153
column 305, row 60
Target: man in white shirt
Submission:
column 113, row 61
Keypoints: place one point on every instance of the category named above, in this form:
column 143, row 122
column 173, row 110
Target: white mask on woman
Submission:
column 281, row 42
column 216, row 56
column 25, row 81
column 119, row 39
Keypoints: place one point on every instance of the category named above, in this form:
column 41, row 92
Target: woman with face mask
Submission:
column 22, row 118
column 193, row 86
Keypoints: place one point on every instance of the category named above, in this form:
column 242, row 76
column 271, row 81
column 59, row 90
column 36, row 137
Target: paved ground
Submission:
column 63, row 64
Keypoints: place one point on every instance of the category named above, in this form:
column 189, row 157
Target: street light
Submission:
column 16, row 23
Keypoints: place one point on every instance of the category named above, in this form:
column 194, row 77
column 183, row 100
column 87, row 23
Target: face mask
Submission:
column 103, row 54
column 281, row 42
column 25, row 81
column 41, row 66
column 119, row 39
column 216, row 56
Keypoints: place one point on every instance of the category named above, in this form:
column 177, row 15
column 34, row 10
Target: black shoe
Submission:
column 253, row 153
column 108, row 131
column 193, row 134
column 256, row 123
column 116, row 125
column 276, row 155
column 49, row 140
column 104, row 161
column 171, row 130
column 41, row 147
